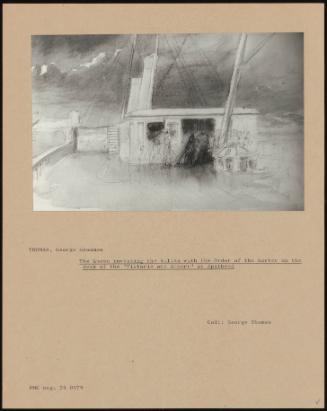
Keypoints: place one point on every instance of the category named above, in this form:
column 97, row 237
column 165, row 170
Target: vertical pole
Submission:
column 157, row 44
column 125, row 98
column 155, row 62
column 232, row 91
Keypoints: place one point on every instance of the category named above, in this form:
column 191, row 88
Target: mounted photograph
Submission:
column 168, row 122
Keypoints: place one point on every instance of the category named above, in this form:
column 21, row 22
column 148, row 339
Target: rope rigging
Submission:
column 192, row 80
column 259, row 47
column 188, row 79
column 162, row 80
column 180, row 71
column 213, row 68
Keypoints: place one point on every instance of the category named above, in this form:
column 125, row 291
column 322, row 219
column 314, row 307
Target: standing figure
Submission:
column 75, row 121
column 166, row 149
column 75, row 138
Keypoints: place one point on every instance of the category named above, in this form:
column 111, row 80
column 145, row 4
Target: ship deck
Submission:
column 92, row 181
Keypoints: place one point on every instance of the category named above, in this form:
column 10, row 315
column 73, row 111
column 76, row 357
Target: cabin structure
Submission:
column 151, row 135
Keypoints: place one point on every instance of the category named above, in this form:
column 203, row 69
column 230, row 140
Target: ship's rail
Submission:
column 48, row 158
column 108, row 142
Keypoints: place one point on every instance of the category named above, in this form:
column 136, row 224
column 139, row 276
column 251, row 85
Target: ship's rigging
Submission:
column 196, row 95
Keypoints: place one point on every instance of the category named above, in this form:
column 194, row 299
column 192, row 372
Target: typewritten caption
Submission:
column 153, row 264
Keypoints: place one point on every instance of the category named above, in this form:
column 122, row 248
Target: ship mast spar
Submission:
column 226, row 122
column 133, row 43
column 157, row 44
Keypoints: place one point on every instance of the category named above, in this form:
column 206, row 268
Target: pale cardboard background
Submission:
column 64, row 326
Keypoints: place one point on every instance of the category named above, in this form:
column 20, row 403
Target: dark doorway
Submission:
column 154, row 130
column 193, row 125
column 199, row 134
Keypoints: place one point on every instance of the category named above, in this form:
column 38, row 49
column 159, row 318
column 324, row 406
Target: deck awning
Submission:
column 189, row 112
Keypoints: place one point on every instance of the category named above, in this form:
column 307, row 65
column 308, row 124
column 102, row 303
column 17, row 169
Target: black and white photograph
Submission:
column 168, row 122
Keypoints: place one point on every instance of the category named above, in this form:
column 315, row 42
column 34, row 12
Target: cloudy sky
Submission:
column 89, row 73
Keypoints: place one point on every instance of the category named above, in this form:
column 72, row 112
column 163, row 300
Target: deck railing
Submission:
column 49, row 157
column 41, row 162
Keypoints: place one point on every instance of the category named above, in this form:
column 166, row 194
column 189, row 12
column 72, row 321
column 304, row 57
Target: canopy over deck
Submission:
column 189, row 112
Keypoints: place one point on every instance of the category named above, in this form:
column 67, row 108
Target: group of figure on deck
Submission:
column 199, row 148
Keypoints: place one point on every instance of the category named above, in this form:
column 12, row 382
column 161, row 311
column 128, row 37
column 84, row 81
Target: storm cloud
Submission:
column 90, row 73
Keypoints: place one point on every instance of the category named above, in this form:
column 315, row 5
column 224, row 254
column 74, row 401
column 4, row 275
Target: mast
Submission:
column 157, row 44
column 133, row 43
column 154, row 68
column 223, row 139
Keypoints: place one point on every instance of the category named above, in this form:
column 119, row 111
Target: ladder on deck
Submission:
column 113, row 139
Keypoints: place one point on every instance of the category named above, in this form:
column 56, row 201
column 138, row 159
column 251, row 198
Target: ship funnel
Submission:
column 147, row 81
column 140, row 97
